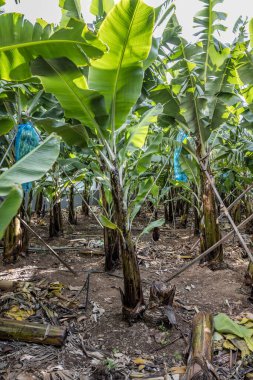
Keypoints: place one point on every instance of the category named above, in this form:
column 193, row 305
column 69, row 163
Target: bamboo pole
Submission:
column 200, row 357
column 32, row 332
column 231, row 233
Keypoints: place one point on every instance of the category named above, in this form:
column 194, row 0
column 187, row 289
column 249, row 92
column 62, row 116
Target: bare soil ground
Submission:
column 100, row 345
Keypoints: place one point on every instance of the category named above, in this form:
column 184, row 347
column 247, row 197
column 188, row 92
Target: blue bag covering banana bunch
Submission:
column 26, row 140
column 179, row 175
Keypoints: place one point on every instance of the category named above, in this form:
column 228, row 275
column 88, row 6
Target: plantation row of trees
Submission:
column 109, row 102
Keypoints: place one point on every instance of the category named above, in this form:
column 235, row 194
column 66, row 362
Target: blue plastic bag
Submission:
column 179, row 175
column 26, row 140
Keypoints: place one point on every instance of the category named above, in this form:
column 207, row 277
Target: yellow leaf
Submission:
column 177, row 370
column 136, row 375
column 228, row 345
column 19, row 314
column 242, row 346
column 140, row 361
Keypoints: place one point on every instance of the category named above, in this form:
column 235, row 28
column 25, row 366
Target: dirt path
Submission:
column 100, row 345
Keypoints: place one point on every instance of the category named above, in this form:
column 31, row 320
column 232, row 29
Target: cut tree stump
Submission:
column 160, row 303
column 32, row 332
column 200, row 358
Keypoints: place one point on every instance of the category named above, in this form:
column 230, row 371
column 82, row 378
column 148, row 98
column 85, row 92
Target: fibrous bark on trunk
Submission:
column 86, row 199
column 209, row 228
column 200, row 358
column 55, row 219
column 72, row 217
column 132, row 297
column 39, row 204
column 12, row 242
column 111, row 240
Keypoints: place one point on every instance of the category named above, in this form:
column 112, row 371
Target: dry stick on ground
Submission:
column 228, row 208
column 225, row 211
column 231, row 233
column 47, row 245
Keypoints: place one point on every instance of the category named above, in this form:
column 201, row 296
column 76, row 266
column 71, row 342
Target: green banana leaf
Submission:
column 224, row 325
column 152, row 225
column 98, row 7
column 73, row 135
column 107, row 223
column 32, row 166
column 29, row 41
column 118, row 75
column 6, row 124
column 9, row 208
column 71, row 8
column 63, row 79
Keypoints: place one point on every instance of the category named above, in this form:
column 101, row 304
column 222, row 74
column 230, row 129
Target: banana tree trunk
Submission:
column 12, row 242
column 156, row 230
column 86, row 197
column 209, row 228
column 55, row 219
column 111, row 241
column 39, row 204
column 72, row 214
column 132, row 297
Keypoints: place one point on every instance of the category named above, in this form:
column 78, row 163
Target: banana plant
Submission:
column 25, row 170
column 102, row 103
column 200, row 95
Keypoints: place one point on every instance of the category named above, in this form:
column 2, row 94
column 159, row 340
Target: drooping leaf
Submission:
column 32, row 166
column 118, row 75
column 152, row 225
column 107, row 223
column 140, row 131
column 63, row 79
column 73, row 135
column 29, row 41
column 9, row 207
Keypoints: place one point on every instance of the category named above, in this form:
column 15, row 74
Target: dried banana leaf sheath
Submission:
column 200, row 358
column 32, row 332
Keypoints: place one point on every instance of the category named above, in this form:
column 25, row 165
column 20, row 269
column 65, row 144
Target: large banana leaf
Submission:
column 208, row 21
column 73, row 135
column 118, row 75
column 98, row 7
column 9, row 208
column 32, row 166
column 21, row 42
column 63, row 79
column 71, row 8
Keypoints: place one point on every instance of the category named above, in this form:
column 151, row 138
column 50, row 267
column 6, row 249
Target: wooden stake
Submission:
column 32, row 332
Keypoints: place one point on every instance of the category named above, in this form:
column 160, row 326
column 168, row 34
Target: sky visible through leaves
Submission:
column 186, row 9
